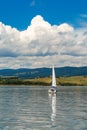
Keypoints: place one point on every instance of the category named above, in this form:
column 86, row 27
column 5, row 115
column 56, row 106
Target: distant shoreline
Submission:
column 61, row 81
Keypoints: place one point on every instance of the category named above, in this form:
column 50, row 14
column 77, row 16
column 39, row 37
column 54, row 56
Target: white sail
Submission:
column 52, row 90
column 53, row 78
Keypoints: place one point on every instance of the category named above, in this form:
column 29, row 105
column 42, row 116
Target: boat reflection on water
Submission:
column 53, row 106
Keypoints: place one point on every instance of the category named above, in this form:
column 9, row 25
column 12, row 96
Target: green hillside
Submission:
column 63, row 81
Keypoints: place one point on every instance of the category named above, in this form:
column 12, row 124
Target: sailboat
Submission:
column 53, row 87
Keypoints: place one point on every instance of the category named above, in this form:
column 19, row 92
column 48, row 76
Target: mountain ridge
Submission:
column 44, row 72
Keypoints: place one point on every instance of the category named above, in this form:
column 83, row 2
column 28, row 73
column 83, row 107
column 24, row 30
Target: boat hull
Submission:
column 50, row 91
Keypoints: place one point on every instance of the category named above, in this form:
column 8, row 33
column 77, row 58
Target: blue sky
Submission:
column 18, row 13
column 39, row 33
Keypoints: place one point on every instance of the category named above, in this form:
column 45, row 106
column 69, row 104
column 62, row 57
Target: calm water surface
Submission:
column 32, row 108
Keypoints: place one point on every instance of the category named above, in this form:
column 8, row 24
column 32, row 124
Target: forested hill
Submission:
column 44, row 72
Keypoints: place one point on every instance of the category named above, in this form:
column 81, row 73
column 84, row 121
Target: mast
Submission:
column 53, row 77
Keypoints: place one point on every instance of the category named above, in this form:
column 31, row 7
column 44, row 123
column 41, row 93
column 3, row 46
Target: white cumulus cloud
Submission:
column 42, row 44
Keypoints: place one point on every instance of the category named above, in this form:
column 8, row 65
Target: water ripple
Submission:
column 31, row 108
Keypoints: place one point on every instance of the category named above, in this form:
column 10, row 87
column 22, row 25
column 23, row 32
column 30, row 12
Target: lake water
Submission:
column 32, row 108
